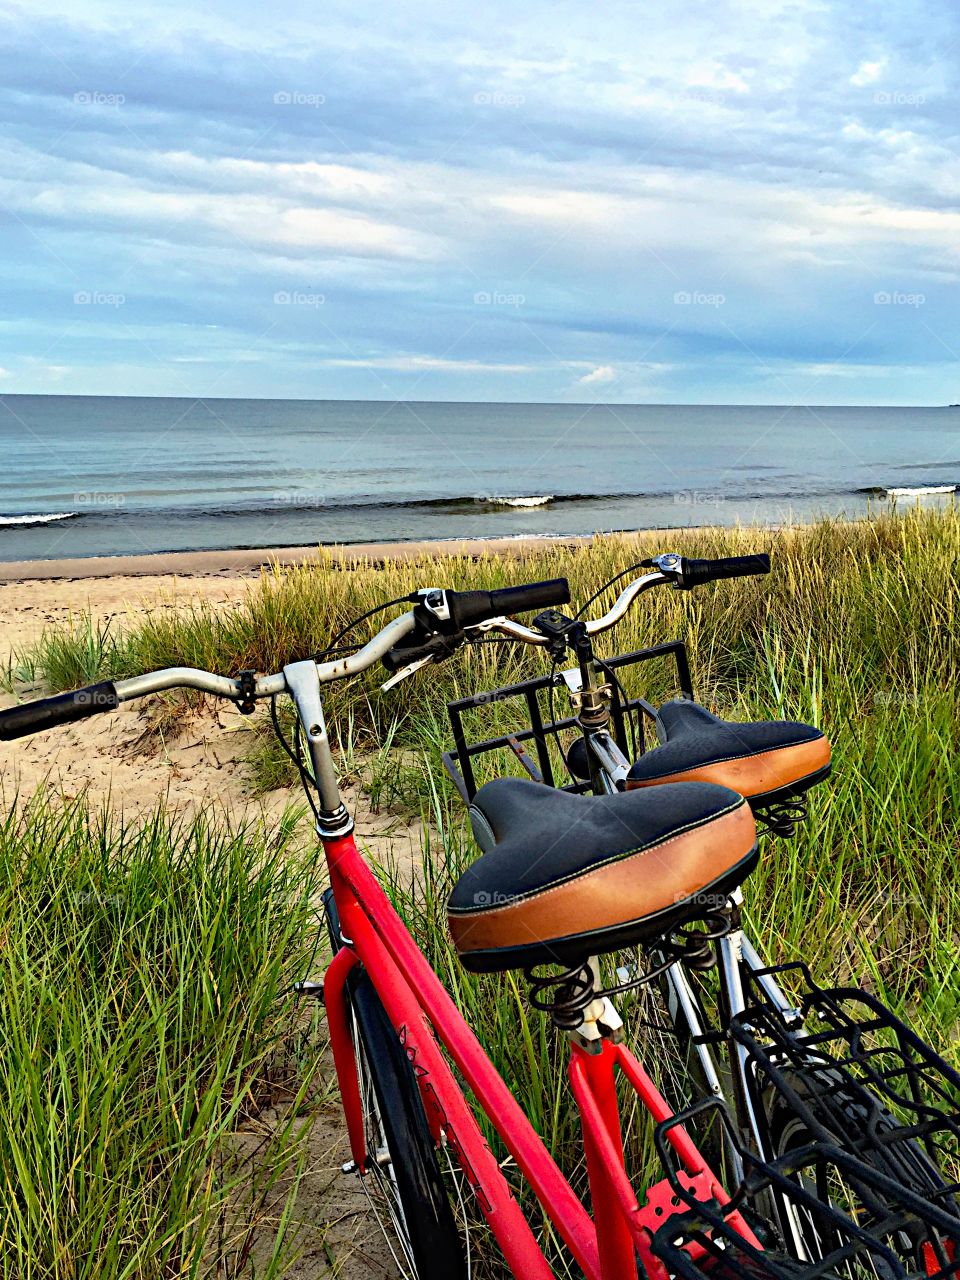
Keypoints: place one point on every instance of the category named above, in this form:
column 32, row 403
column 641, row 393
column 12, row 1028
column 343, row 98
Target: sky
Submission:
column 754, row 202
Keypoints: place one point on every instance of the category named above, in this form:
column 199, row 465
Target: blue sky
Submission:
column 701, row 202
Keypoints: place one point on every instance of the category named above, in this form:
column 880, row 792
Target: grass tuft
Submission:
column 144, row 1029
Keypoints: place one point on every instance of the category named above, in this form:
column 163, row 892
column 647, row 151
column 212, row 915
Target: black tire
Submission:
column 403, row 1173
column 845, row 1117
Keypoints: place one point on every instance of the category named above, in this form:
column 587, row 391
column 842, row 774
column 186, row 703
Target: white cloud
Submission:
column 717, row 77
column 422, row 364
column 868, row 72
column 602, row 373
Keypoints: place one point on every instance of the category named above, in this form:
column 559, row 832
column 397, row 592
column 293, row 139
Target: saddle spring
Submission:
column 565, row 995
column 780, row 818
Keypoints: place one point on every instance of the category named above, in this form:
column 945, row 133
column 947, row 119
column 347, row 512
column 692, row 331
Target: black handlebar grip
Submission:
column 46, row 713
column 470, row 607
column 696, row 572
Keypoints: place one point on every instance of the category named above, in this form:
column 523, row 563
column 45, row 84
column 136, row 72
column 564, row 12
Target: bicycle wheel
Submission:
column 861, row 1124
column 403, row 1181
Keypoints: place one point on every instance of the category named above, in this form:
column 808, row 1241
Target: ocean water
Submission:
column 91, row 475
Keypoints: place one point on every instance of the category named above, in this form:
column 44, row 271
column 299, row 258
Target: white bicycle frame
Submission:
column 739, row 962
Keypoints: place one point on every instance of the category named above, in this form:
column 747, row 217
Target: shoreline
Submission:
column 235, row 562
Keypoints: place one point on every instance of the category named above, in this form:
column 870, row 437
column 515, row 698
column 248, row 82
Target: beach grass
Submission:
column 856, row 630
column 147, row 1031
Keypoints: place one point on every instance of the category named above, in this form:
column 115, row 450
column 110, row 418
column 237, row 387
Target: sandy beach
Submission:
column 247, row 561
column 124, row 756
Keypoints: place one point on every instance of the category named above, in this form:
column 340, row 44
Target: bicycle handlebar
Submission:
column 62, row 708
column 696, row 572
column 468, row 608
column 452, row 613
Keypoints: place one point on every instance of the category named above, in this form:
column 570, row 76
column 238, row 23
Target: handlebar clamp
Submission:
column 246, row 702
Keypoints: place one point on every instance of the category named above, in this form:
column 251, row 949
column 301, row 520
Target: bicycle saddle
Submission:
column 565, row 876
column 764, row 760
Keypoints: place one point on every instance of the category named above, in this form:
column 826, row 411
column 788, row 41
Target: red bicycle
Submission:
column 805, row 1136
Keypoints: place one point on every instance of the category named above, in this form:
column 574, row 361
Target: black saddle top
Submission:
column 567, row 875
column 760, row 759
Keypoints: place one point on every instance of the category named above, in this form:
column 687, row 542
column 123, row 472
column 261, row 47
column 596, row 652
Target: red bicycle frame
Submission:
column 425, row 1018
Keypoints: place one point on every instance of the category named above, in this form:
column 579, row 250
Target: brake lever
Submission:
column 404, row 672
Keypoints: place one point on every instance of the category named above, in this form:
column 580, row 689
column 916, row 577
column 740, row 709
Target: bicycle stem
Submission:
column 303, row 685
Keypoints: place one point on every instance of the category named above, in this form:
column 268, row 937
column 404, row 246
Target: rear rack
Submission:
column 843, row 1053
column 870, row 1172
column 539, row 732
column 704, row 1241
column 893, row 1231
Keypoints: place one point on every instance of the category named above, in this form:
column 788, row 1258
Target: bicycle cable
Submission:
column 331, row 649
column 295, row 752
column 306, row 781
column 553, row 666
column 622, row 694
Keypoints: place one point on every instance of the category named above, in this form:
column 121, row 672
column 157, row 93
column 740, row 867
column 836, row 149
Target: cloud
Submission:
column 868, row 72
column 579, row 175
column 421, row 364
column 602, row 373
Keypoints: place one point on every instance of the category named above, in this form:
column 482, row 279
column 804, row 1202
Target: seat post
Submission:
column 599, row 1021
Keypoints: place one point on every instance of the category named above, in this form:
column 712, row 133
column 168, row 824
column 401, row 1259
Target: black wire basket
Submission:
column 632, row 722
column 861, row 1181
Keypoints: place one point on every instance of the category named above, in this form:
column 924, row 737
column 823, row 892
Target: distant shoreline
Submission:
column 191, row 564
